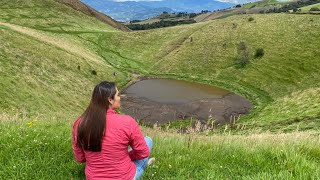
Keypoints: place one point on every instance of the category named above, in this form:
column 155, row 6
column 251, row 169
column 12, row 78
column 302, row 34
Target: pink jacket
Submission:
column 114, row 161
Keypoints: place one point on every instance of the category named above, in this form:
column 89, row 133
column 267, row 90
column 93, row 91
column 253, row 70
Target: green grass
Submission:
column 40, row 59
column 265, row 3
column 227, row 15
column 46, row 146
column 307, row 8
column 165, row 52
column 265, row 81
column 40, row 80
column 44, row 42
column 289, row 65
column 231, row 157
column 48, row 15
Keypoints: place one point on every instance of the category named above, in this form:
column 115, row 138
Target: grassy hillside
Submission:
column 80, row 6
column 43, row 73
column 259, row 7
column 202, row 52
column 48, row 15
column 290, row 58
column 289, row 67
column 266, row 3
column 49, row 53
column 307, row 8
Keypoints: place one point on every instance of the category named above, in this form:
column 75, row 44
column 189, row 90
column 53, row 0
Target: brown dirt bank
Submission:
column 223, row 110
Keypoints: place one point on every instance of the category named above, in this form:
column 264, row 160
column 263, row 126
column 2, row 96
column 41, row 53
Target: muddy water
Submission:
column 173, row 91
column 164, row 100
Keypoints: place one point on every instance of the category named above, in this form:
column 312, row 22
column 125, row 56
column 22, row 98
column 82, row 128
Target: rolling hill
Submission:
column 307, row 8
column 139, row 10
column 79, row 6
column 51, row 56
column 289, row 67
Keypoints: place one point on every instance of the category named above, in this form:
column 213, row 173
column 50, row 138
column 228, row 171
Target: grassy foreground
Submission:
column 38, row 149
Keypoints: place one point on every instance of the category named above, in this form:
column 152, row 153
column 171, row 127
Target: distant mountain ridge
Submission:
column 139, row 10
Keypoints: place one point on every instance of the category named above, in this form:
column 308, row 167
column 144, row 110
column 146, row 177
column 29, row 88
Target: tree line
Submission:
column 292, row 6
column 159, row 24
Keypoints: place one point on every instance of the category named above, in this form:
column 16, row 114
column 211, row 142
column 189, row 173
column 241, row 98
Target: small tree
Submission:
column 242, row 58
column 314, row 9
column 295, row 9
column 94, row 72
column 259, row 53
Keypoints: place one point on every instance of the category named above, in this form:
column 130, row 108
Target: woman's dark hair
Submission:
column 92, row 123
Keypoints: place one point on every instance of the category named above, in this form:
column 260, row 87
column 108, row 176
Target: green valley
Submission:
column 51, row 56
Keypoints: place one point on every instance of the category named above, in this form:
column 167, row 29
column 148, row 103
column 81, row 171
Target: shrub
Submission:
column 250, row 19
column 94, row 72
column 314, row 9
column 242, row 58
column 259, row 53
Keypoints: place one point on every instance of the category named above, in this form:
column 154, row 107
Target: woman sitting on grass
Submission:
column 100, row 138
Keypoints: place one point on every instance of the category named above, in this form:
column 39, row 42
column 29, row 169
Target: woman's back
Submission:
column 114, row 161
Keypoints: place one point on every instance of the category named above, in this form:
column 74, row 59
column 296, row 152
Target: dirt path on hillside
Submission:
column 58, row 42
column 174, row 45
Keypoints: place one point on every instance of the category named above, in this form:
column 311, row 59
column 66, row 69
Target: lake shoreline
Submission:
column 222, row 109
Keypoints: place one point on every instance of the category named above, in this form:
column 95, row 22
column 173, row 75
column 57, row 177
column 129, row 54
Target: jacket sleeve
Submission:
column 78, row 152
column 140, row 150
